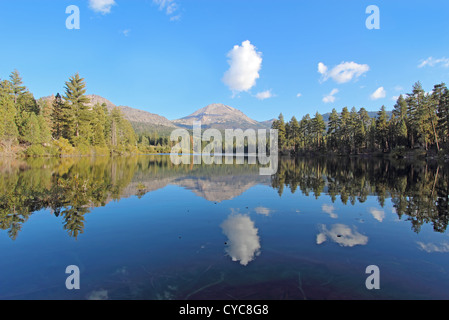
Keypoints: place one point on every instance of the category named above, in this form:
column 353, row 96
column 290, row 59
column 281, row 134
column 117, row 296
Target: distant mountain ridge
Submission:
column 216, row 115
column 135, row 116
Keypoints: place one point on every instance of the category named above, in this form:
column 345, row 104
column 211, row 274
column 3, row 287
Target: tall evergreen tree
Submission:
column 57, row 117
column 345, row 130
column 305, row 129
column 295, row 133
column 443, row 113
column 282, row 134
column 98, row 125
column 318, row 127
column 401, row 124
column 419, row 116
column 77, row 112
column 436, row 106
column 23, row 100
column 382, row 129
column 17, row 85
column 8, row 128
column 333, row 128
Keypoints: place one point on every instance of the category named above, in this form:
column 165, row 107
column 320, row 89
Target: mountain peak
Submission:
column 215, row 108
column 219, row 116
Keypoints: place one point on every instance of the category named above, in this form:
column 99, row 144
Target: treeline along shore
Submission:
column 71, row 125
column 417, row 126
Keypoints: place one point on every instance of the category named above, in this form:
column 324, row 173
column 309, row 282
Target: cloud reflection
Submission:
column 431, row 247
column 263, row 211
column 243, row 239
column 98, row 295
column 341, row 234
column 330, row 210
column 379, row 215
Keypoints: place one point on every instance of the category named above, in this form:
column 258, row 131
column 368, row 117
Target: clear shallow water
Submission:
column 142, row 228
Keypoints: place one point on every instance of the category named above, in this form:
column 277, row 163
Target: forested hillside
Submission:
column 64, row 125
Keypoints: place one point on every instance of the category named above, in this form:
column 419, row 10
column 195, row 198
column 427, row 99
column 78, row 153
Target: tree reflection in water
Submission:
column 70, row 188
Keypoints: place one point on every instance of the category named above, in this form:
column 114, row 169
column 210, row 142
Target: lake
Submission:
column 143, row 228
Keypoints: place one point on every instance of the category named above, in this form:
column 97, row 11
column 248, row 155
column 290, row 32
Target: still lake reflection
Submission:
column 142, row 228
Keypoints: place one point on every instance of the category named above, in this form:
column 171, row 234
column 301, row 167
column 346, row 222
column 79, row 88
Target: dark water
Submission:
column 142, row 228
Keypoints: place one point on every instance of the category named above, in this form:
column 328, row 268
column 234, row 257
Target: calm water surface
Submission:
column 142, row 228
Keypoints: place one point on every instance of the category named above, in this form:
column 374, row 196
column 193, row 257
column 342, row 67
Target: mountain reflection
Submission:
column 71, row 187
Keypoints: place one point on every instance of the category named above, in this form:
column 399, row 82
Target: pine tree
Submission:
column 353, row 127
column 363, row 128
column 31, row 130
column 344, row 130
column 443, row 114
column 282, row 134
column 400, row 113
column 23, row 100
column 419, row 117
column 17, row 85
column 57, row 117
column 122, row 132
column 318, row 127
column 45, row 107
column 295, row 133
column 436, row 106
column 382, row 129
column 98, row 126
column 77, row 112
column 332, row 131
column 305, row 131
column 8, row 128
column 45, row 129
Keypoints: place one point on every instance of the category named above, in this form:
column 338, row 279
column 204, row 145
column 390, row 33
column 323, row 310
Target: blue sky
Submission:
column 172, row 57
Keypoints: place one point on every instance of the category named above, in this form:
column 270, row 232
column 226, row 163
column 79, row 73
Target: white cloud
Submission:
column 379, row 215
column 299, row 95
column 243, row 239
column 263, row 211
column 394, row 98
column 341, row 234
column 378, row 94
column 399, row 88
column 430, row 247
column 245, row 63
column 330, row 210
column 322, row 68
column 126, row 32
column 170, row 7
column 342, row 73
column 330, row 98
column 175, row 18
column 432, row 62
column 264, row 95
column 102, row 6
